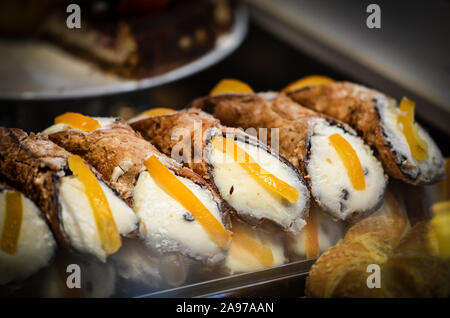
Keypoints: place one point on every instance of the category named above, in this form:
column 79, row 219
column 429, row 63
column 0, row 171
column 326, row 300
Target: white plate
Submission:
column 33, row 71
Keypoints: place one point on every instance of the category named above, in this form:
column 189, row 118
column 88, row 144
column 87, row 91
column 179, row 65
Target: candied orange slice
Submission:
column 267, row 179
column 106, row 226
column 311, row 236
column 78, row 121
column 350, row 159
column 231, row 86
column 242, row 240
column 177, row 190
column 312, row 80
column 157, row 112
column 12, row 222
column 417, row 145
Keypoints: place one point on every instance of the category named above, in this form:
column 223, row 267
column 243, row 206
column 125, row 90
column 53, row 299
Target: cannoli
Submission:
column 26, row 241
column 406, row 150
column 62, row 186
column 344, row 177
column 177, row 209
column 261, row 187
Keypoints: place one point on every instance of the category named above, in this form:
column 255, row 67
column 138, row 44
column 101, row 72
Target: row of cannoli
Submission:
column 94, row 179
column 90, row 181
column 48, row 195
column 343, row 175
column 403, row 146
column 238, row 182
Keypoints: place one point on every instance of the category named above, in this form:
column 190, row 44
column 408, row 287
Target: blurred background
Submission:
column 280, row 42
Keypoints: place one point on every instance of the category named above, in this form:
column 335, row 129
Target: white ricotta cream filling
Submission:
column 78, row 217
column 35, row 247
column 330, row 184
column 167, row 226
column 251, row 198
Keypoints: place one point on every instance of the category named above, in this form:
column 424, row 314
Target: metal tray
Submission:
column 251, row 284
column 137, row 272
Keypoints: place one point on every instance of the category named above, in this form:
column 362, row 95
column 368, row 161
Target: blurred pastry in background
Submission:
column 342, row 270
column 131, row 38
column 415, row 268
column 410, row 259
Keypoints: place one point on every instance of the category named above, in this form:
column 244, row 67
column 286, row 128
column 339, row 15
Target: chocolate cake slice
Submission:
column 135, row 38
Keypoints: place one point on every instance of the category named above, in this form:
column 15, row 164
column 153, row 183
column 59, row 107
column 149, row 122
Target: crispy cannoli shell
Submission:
column 106, row 149
column 33, row 165
column 408, row 267
column 160, row 129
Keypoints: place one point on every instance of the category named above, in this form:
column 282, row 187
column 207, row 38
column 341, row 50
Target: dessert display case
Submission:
column 265, row 48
